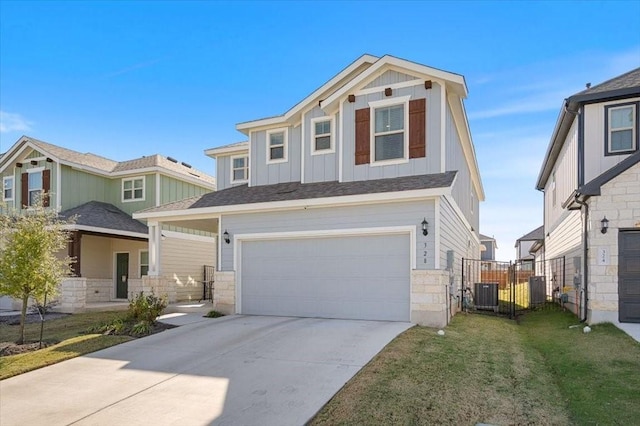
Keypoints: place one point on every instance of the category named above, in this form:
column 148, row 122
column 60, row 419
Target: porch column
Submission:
column 155, row 240
column 74, row 249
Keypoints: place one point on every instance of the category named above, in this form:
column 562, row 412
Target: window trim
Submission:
column 373, row 105
column 13, row 188
column 634, row 128
column 233, row 169
column 285, row 145
column 332, row 144
column 133, row 179
column 140, row 262
column 29, row 172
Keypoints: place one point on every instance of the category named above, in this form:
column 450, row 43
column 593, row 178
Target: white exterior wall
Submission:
column 620, row 203
column 182, row 262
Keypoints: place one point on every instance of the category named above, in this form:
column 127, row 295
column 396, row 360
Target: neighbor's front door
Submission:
column 122, row 275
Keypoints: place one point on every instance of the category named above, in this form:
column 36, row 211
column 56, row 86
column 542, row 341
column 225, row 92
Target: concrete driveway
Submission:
column 237, row 370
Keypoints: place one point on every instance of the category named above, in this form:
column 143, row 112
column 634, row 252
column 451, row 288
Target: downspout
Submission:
column 585, row 250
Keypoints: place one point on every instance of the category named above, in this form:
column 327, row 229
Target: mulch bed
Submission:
column 10, row 348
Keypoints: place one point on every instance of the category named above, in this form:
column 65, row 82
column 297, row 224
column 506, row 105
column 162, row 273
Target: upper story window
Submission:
column 322, row 139
column 34, row 186
column 389, row 136
column 239, row 169
column 7, row 188
column 621, row 129
column 277, row 146
column 133, row 189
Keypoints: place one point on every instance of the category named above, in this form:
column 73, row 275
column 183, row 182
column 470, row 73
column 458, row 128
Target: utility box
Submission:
column 537, row 291
column 486, row 296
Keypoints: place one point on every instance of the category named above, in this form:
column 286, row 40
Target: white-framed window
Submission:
column 322, row 136
column 277, row 145
column 133, row 189
column 144, row 262
column 389, row 131
column 34, row 186
column 621, row 128
column 8, row 188
column 239, row 168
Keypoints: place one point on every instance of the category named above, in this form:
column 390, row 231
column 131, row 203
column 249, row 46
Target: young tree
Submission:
column 31, row 262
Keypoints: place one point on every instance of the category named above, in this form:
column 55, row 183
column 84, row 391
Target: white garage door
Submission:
column 355, row 277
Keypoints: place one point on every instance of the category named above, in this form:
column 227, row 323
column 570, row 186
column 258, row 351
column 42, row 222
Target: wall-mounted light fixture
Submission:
column 605, row 225
column 226, row 236
column 425, row 227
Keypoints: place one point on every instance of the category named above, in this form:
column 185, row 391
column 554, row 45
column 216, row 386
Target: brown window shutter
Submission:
column 363, row 136
column 25, row 190
column 417, row 128
column 46, row 186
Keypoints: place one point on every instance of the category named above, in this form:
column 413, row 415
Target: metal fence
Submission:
column 509, row 288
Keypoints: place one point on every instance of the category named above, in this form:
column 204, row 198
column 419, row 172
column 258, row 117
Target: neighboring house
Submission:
column 591, row 182
column 359, row 202
column 110, row 247
column 488, row 248
column 527, row 246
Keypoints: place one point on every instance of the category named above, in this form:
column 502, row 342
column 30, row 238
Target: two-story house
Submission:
column 110, row 247
column 525, row 248
column 359, row 202
column 591, row 183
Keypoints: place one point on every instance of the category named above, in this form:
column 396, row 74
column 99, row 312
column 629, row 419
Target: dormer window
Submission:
column 621, row 129
column 239, row 169
column 133, row 189
column 277, row 146
column 322, row 139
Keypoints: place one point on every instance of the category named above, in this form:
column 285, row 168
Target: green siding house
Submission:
column 111, row 248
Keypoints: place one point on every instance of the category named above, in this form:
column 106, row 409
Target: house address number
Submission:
column 424, row 254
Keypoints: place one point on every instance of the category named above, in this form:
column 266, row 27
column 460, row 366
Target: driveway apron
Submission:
column 237, row 370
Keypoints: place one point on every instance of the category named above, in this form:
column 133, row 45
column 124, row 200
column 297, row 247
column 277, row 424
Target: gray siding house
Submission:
column 359, row 202
column 591, row 183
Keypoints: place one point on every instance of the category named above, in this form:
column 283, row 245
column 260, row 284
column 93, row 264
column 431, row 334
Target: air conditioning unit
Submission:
column 537, row 291
column 486, row 296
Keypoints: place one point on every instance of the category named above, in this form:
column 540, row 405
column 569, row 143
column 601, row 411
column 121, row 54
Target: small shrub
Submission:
column 146, row 307
column 142, row 328
column 214, row 314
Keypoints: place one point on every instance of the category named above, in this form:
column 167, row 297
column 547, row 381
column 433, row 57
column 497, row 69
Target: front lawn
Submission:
column 65, row 338
column 492, row 370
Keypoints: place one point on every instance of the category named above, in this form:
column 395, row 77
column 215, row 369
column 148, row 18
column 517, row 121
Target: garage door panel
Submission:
column 362, row 277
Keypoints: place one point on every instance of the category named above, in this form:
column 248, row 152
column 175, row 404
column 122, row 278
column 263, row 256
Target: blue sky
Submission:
column 126, row 79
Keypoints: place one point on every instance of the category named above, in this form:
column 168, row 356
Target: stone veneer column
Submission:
column 429, row 298
column 73, row 295
column 224, row 292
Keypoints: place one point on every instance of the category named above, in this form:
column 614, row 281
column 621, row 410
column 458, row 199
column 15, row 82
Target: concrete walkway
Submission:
column 235, row 370
column 632, row 329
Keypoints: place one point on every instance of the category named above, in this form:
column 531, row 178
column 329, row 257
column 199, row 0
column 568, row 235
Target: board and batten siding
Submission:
column 133, row 206
column 463, row 188
column 223, row 172
column 172, row 189
column 320, row 167
column 79, row 187
column 390, row 77
column 182, row 262
column 17, row 172
column 414, row 166
column 566, row 179
column 455, row 236
column 332, row 218
column 269, row 174
column 595, row 160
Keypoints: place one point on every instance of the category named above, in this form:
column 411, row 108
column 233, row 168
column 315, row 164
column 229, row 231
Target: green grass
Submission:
column 492, row 370
column 69, row 335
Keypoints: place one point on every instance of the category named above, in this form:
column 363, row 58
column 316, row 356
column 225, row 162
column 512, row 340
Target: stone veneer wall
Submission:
column 620, row 203
column 429, row 298
column 72, row 296
column 224, row 292
column 99, row 290
column 160, row 286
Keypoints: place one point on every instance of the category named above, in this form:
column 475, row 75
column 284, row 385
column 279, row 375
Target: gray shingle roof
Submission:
column 624, row 81
column 536, row 234
column 104, row 215
column 109, row 166
column 244, row 194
